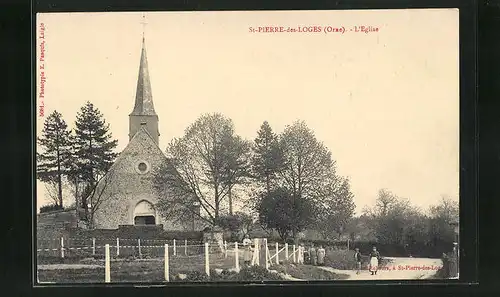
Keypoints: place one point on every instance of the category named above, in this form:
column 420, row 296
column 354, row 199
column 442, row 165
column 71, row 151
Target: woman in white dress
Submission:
column 374, row 257
column 247, row 253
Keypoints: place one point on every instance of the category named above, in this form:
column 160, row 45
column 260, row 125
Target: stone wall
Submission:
column 136, row 232
column 55, row 224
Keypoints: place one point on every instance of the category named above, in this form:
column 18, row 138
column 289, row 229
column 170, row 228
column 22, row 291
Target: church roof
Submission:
column 142, row 141
column 143, row 97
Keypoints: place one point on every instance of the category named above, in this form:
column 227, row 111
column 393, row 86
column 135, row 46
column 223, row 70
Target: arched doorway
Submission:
column 144, row 213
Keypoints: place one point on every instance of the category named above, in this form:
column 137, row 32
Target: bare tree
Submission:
column 52, row 191
column 308, row 164
column 306, row 169
column 202, row 167
column 104, row 189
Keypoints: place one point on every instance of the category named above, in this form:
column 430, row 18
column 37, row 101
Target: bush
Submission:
column 343, row 259
column 51, row 207
column 225, row 275
column 256, row 273
column 340, row 259
column 196, row 276
column 308, row 272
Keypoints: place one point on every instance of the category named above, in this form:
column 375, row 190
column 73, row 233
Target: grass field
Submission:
column 152, row 270
column 123, row 270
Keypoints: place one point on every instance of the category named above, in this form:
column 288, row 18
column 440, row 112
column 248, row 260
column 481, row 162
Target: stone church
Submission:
column 128, row 196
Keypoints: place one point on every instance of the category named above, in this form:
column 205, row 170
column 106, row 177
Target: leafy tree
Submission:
column 239, row 224
column 203, row 166
column 396, row 221
column 307, row 167
column 268, row 156
column 336, row 208
column 308, row 164
column 236, row 158
column 281, row 211
column 94, row 150
column 441, row 216
column 55, row 147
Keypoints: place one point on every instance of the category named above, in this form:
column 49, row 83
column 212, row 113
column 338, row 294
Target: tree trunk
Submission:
column 59, row 180
column 216, row 208
column 230, row 201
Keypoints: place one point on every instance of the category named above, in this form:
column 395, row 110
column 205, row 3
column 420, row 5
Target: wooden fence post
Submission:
column 107, row 272
column 62, row 247
column 207, row 264
column 93, row 246
column 225, row 249
column 256, row 253
column 117, row 246
column 167, row 277
column 236, row 257
column 347, row 243
column 286, row 251
column 139, row 246
column 266, row 253
column 174, row 248
column 294, row 254
column 277, row 253
column 185, row 247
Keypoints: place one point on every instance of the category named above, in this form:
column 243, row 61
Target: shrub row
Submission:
column 254, row 273
column 50, row 207
column 388, row 250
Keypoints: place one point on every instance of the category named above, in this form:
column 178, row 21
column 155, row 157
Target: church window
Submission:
column 142, row 167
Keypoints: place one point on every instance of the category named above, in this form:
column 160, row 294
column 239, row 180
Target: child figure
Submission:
column 247, row 254
column 321, row 256
column 357, row 259
column 313, row 254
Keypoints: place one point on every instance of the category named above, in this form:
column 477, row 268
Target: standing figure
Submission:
column 313, row 254
column 247, row 254
column 307, row 255
column 374, row 257
column 321, row 256
column 357, row 259
column 300, row 254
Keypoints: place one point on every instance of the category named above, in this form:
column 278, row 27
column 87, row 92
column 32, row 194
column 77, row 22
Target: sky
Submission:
column 385, row 103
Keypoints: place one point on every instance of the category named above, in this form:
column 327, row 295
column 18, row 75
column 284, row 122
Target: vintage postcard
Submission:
column 244, row 146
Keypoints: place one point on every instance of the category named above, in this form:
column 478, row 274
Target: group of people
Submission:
column 316, row 256
column 374, row 257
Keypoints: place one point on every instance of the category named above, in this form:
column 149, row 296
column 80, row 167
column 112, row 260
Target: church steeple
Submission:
column 143, row 96
column 144, row 115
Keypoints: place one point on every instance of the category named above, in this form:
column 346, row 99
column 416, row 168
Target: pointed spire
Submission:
column 143, row 98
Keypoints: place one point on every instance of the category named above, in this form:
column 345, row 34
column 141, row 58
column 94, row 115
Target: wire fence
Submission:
column 169, row 256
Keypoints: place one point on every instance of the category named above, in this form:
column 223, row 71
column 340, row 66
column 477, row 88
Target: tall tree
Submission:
column 308, row 164
column 202, row 167
column 336, row 208
column 55, row 149
column 441, row 217
column 94, row 149
column 267, row 156
column 236, row 157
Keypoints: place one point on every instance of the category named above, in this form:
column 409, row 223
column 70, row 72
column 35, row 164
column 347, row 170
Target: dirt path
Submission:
column 399, row 268
column 67, row 266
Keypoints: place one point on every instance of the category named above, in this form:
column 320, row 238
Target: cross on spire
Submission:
column 144, row 23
